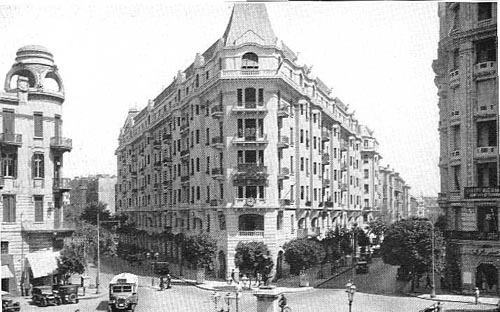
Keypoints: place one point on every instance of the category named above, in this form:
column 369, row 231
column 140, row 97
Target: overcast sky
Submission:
column 114, row 55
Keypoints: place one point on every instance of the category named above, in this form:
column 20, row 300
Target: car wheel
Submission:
column 72, row 298
column 43, row 303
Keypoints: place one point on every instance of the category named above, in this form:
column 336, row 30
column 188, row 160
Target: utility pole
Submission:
column 433, row 288
column 98, row 256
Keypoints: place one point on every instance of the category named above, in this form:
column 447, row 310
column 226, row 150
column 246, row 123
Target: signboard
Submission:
column 481, row 192
column 467, row 277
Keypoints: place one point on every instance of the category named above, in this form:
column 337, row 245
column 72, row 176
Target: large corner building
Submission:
column 467, row 80
column 247, row 145
column 31, row 179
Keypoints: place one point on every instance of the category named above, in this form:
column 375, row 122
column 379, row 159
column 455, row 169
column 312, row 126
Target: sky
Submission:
column 115, row 55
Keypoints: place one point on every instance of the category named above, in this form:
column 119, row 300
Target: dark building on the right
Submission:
column 467, row 82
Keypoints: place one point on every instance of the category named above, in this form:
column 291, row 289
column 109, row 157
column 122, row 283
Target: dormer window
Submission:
column 250, row 61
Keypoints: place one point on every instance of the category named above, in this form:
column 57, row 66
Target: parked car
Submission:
column 123, row 292
column 362, row 267
column 68, row 293
column 8, row 303
column 44, row 295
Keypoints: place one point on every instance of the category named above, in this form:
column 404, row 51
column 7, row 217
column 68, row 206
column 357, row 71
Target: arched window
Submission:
column 51, row 82
column 314, row 223
column 250, row 61
column 251, row 222
column 22, row 73
column 302, row 223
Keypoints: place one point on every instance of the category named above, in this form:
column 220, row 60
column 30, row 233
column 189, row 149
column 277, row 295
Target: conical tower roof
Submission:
column 249, row 23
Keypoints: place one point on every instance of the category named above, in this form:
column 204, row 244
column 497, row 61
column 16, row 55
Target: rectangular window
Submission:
column 9, row 208
column 38, row 164
column 334, row 152
column 221, row 190
column 207, row 137
column 334, row 174
column 38, row 208
column 301, row 163
column 197, row 136
column 292, row 165
column 486, row 51
column 198, row 193
column 366, row 174
column 5, row 248
column 484, row 11
column 240, row 97
column 38, row 120
column 261, row 97
column 208, row 193
column 314, row 142
column 314, row 168
column 292, row 189
column 9, row 165
column 301, row 136
column 197, row 164
column 302, row 192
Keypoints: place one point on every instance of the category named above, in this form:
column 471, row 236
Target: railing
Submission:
column 481, row 192
column 487, row 151
column 258, row 233
column 455, row 153
column 167, row 183
column 251, row 168
column 472, row 235
column 11, row 138
column 325, row 135
column 167, row 160
column 454, row 77
column 283, row 111
column 62, row 184
column 285, row 202
column 308, row 203
column 184, row 178
column 217, row 140
column 61, row 143
column 217, row 110
column 167, row 136
column 247, row 72
column 216, row 171
column 284, row 171
column 329, row 204
column 326, row 182
column 302, row 233
column 485, row 68
column 283, row 141
column 250, row 139
column 184, row 152
column 486, row 110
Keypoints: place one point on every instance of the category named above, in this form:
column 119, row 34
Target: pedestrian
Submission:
column 162, row 283
column 233, row 276
column 439, row 307
column 428, row 283
column 169, row 281
column 476, row 294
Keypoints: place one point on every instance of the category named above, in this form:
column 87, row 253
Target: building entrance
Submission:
column 487, row 277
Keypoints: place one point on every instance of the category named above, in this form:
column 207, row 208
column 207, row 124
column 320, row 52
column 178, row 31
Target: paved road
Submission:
column 381, row 279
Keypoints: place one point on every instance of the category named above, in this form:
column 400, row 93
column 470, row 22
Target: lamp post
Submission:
column 97, row 277
column 433, row 286
column 350, row 290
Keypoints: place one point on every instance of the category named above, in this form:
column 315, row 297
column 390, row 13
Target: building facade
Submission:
column 467, row 82
column 32, row 149
column 91, row 189
column 247, row 145
column 395, row 195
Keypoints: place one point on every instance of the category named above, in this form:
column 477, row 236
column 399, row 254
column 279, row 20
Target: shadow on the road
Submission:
column 103, row 306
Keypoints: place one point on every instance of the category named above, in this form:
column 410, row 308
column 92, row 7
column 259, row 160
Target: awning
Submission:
column 6, row 272
column 43, row 263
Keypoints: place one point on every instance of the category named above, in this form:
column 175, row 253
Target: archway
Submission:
column 222, row 264
column 487, row 277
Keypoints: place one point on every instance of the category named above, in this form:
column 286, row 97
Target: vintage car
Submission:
column 44, row 295
column 67, row 293
column 123, row 292
column 8, row 304
column 362, row 267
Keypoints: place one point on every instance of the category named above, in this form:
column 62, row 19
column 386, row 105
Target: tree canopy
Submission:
column 86, row 234
column 199, row 249
column 409, row 243
column 377, row 227
column 89, row 214
column 252, row 258
column 303, row 253
column 71, row 261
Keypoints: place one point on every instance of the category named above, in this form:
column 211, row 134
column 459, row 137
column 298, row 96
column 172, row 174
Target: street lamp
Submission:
column 433, row 286
column 350, row 290
column 97, row 278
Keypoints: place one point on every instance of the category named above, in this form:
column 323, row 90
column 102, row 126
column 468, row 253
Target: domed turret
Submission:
column 35, row 66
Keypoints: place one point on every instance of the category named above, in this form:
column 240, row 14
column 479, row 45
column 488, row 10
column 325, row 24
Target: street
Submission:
column 185, row 297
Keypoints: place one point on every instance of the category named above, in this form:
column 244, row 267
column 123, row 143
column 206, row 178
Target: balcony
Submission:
column 184, row 127
column 283, row 142
column 217, row 111
column 218, row 142
column 252, row 169
column 255, row 233
column 61, row 144
column 487, row 152
column 328, row 204
column 489, row 110
column 167, row 161
column 61, row 185
column 344, row 146
column 308, row 203
column 215, row 202
column 454, row 78
column 485, row 70
column 283, row 111
column 343, row 187
column 247, row 73
column 325, row 159
column 455, row 155
column 185, row 152
column 284, row 173
column 167, row 184
column 302, row 233
column 157, row 144
column 326, row 182
column 343, row 166
column 325, row 135
column 250, row 108
column 285, row 202
column 481, row 192
column 157, row 164
column 184, row 178
column 217, row 173
column 472, row 235
column 250, row 140
column 167, row 137
column 11, row 139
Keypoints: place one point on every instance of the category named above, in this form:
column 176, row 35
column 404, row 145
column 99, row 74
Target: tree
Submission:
column 199, row 250
column 87, row 234
column 362, row 239
column 252, row 258
column 377, row 227
column 71, row 261
column 408, row 243
column 89, row 214
column 303, row 253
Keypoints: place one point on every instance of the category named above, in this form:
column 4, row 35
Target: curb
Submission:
column 334, row 276
column 447, row 300
column 92, row 296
